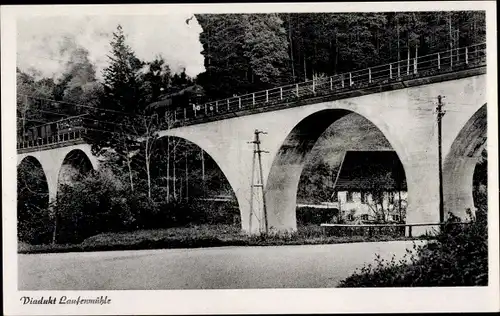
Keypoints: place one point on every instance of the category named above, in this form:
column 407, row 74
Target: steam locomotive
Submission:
column 185, row 98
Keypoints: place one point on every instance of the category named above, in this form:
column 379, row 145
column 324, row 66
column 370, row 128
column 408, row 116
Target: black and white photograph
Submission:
column 243, row 158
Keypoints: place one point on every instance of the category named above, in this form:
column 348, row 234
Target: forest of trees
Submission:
column 242, row 53
column 250, row 52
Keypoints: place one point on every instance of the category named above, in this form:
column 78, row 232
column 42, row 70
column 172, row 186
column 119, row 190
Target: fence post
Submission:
column 466, row 55
column 350, row 79
column 451, row 58
column 297, row 89
column 415, row 61
column 399, row 68
column 239, row 102
column 390, row 71
column 185, row 114
column 267, row 96
column 369, row 75
column 175, row 116
column 281, row 93
column 216, row 106
column 314, row 86
column 331, row 83
column 409, row 231
column 408, row 63
column 253, row 98
column 439, row 61
column 342, row 77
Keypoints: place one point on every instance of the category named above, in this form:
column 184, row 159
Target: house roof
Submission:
column 369, row 170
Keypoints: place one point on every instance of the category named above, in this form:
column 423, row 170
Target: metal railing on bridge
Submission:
column 410, row 68
column 59, row 139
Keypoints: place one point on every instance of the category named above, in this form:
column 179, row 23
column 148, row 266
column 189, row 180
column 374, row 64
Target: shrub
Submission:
column 34, row 224
column 93, row 205
column 316, row 216
column 458, row 257
column 100, row 203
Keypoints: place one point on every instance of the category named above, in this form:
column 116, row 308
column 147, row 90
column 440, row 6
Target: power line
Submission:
column 92, row 120
column 32, row 120
column 79, row 105
column 49, row 112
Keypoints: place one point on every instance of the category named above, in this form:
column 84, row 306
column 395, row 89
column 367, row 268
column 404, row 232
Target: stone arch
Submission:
column 75, row 163
column 35, row 168
column 33, row 198
column 460, row 162
column 210, row 160
column 286, row 168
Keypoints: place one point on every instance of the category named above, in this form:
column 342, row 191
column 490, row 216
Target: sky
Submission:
column 45, row 43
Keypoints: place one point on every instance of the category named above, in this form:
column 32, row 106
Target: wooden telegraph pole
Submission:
column 203, row 172
column 440, row 114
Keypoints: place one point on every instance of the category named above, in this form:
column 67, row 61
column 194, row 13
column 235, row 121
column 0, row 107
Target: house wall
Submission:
column 357, row 207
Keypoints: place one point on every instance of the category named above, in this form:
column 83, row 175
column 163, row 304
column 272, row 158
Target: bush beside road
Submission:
column 457, row 257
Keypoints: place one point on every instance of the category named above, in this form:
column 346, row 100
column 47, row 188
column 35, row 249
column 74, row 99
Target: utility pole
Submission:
column 187, row 176
column 440, row 114
column 203, row 172
column 260, row 184
column 451, row 40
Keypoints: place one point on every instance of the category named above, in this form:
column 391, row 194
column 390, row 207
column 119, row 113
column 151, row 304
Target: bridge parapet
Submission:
column 60, row 140
column 411, row 68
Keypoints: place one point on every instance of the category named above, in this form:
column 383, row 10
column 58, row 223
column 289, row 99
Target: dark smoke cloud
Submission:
column 46, row 44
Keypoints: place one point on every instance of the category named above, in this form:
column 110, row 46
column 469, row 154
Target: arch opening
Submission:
column 34, row 222
column 72, row 215
column 315, row 156
column 75, row 165
column 480, row 182
column 466, row 154
column 184, row 176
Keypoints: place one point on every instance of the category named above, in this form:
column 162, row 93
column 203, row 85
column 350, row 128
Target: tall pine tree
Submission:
column 115, row 119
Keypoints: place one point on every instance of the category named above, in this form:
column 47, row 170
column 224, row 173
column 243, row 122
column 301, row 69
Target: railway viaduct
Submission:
column 403, row 110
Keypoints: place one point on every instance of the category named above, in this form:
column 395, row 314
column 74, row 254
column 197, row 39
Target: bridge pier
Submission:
column 53, row 161
column 423, row 193
column 457, row 184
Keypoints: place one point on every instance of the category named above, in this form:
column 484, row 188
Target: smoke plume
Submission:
column 46, row 44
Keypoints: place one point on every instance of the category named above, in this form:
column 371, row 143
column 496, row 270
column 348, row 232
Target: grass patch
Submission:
column 195, row 237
